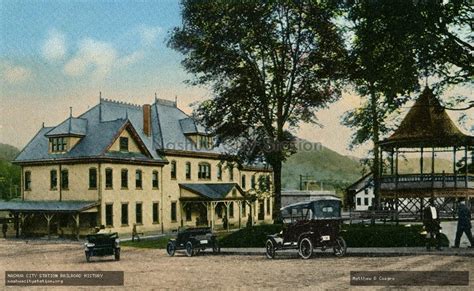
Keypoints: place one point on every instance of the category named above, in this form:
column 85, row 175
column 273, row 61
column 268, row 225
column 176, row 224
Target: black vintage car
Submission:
column 309, row 225
column 193, row 240
column 102, row 244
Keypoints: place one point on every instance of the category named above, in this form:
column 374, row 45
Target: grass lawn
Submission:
column 159, row 243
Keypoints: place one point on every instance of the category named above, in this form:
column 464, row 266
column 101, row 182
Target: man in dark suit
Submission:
column 464, row 224
column 431, row 225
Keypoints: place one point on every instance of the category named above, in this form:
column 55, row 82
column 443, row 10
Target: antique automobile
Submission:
column 193, row 241
column 309, row 225
column 102, row 244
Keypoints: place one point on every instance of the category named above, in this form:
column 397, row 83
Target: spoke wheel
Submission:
column 340, row 248
column 189, row 249
column 170, row 249
column 270, row 249
column 306, row 248
column 117, row 254
column 88, row 257
column 215, row 247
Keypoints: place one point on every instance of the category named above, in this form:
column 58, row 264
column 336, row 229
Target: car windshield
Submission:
column 327, row 209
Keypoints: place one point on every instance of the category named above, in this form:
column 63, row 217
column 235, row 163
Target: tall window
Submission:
column 156, row 212
column 53, row 179
column 252, row 182
column 124, row 213
column 27, row 180
column 244, row 182
column 173, row 211
column 366, row 201
column 173, row 169
column 358, row 201
column 92, row 178
column 268, row 182
column 64, row 179
column 58, row 144
column 231, row 210
column 124, row 144
column 269, row 206
column 138, row 213
column 219, row 172
column 109, row 179
column 188, row 170
column 244, row 210
column 124, row 178
column 204, row 171
column 109, row 215
column 138, row 179
column 231, row 172
column 154, row 180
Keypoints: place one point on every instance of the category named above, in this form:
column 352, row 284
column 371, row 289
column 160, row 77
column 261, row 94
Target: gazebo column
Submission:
column 17, row 224
column 454, row 168
column 391, row 162
column 432, row 170
column 396, row 168
column 466, row 172
column 227, row 214
column 421, row 164
column 48, row 223
column 213, row 209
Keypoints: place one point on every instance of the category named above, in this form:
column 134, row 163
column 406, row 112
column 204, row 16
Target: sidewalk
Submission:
column 359, row 252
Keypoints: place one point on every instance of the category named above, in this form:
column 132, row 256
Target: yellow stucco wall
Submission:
column 168, row 192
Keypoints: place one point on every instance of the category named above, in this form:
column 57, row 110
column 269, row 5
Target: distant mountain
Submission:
column 336, row 171
column 8, row 152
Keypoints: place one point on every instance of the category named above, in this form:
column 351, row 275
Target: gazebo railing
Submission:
column 436, row 180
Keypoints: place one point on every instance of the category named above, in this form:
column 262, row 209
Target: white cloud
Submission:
column 149, row 34
column 131, row 58
column 16, row 74
column 54, row 47
column 93, row 56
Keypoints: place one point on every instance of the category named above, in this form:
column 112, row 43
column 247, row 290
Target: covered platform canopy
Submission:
column 428, row 132
column 210, row 195
column 22, row 208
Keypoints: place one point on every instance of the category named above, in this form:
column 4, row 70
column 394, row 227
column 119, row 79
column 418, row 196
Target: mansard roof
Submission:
column 70, row 127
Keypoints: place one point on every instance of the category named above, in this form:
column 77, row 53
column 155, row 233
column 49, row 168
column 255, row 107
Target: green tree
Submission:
column 395, row 44
column 270, row 65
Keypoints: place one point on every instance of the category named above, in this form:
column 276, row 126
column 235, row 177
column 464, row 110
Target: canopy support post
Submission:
column 240, row 213
column 421, row 164
column 76, row 219
column 396, row 168
column 454, row 168
column 48, row 223
column 466, row 172
column 212, row 214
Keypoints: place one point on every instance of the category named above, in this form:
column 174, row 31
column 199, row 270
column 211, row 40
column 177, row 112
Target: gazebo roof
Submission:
column 427, row 125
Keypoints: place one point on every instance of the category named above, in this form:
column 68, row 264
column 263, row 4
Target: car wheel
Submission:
column 340, row 248
column 270, row 249
column 306, row 248
column 88, row 257
column 170, row 249
column 189, row 249
column 215, row 248
column 117, row 254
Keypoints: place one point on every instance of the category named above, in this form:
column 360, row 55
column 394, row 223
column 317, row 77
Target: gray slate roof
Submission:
column 213, row 191
column 46, row 206
column 101, row 124
column 71, row 126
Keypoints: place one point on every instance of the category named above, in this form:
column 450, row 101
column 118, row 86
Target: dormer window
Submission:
column 124, row 144
column 58, row 144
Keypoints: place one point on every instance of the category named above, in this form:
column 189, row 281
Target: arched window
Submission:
column 231, row 172
column 124, row 178
column 204, row 171
column 109, row 184
column 27, row 184
column 173, row 169
column 252, row 182
column 138, row 179
column 92, row 178
column 53, row 180
column 65, row 179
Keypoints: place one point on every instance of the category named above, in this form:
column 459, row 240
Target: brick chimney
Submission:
column 147, row 119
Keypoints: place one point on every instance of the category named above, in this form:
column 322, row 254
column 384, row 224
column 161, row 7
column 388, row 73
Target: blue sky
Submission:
column 57, row 54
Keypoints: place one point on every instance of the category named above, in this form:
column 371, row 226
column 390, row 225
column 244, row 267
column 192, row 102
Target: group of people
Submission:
column 431, row 223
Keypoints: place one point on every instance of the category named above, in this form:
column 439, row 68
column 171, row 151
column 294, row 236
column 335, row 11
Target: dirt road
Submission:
column 153, row 269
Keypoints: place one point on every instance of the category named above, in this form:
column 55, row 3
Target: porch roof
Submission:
column 47, row 206
column 211, row 191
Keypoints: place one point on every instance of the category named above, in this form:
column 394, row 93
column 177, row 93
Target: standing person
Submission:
column 4, row 229
column 464, row 224
column 431, row 225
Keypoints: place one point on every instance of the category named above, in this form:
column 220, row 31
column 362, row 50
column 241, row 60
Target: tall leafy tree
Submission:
column 270, row 65
column 395, row 44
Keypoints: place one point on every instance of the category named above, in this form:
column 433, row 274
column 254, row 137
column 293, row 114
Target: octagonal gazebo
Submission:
column 428, row 133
